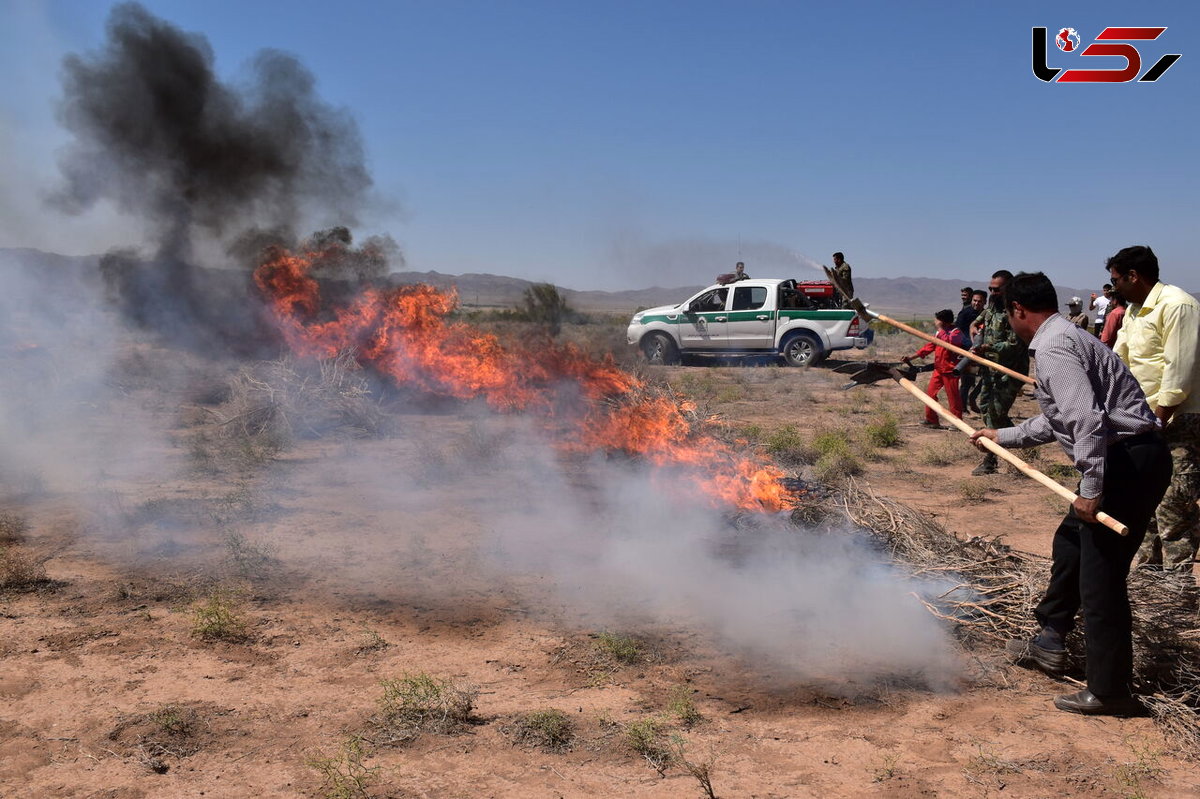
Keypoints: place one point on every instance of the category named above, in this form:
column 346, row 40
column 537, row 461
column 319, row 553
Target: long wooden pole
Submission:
column 861, row 309
column 992, row 446
column 965, row 353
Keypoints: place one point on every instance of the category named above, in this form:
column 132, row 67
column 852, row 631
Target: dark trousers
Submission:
column 966, row 384
column 1091, row 563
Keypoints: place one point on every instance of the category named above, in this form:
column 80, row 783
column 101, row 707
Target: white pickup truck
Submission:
column 749, row 317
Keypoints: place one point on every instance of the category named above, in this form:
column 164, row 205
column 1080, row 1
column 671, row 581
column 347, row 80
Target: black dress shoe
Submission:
column 1089, row 704
column 1028, row 653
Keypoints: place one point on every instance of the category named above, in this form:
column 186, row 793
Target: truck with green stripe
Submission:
column 751, row 317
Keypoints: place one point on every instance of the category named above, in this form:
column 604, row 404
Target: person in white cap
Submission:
column 1075, row 313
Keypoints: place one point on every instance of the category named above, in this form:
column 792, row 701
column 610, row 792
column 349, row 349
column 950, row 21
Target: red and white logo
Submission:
column 1112, row 42
column 1067, row 39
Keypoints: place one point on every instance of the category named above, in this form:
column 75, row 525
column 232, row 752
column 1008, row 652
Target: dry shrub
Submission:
column 13, row 527
column 20, row 572
column 648, row 738
column 944, row 453
column 417, row 703
column 275, row 403
column 170, row 731
column 972, row 491
column 549, row 730
column 345, row 774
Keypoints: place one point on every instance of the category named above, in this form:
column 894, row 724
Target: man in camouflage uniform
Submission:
column 1000, row 344
column 845, row 278
column 1160, row 341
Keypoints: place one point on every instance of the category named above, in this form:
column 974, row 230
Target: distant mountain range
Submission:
column 919, row 296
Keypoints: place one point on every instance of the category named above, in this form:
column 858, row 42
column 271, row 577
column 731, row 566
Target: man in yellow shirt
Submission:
column 1160, row 341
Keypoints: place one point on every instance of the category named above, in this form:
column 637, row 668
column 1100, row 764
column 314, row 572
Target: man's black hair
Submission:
column 967, row 289
column 1033, row 291
column 1140, row 259
column 839, row 255
column 979, row 293
column 945, row 316
column 1108, row 286
column 1004, row 273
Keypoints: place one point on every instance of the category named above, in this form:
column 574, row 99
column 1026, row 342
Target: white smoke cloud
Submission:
column 611, row 544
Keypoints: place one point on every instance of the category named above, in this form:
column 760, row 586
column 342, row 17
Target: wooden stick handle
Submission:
column 863, row 311
column 992, row 446
column 965, row 353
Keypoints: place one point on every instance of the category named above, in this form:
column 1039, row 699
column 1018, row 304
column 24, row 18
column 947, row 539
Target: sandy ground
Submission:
column 109, row 692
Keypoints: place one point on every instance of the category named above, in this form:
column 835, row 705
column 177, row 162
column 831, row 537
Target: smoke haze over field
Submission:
column 485, row 507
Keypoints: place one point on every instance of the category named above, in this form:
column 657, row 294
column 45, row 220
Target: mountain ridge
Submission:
column 918, row 296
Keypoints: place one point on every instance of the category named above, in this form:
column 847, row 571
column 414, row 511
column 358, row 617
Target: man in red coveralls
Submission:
column 944, row 362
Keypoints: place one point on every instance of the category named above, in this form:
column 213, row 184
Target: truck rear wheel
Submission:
column 660, row 349
column 802, row 349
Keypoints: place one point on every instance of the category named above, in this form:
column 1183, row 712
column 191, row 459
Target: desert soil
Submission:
column 108, row 691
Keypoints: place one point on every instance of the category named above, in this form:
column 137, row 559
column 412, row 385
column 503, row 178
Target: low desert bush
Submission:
column 274, row 403
column 345, row 774
column 550, row 730
column 19, row 571
column 623, row 649
column 944, row 453
column 155, row 738
column 972, row 491
column 701, row 770
column 883, row 432
column 788, row 446
column 417, row 703
column 648, row 739
column 837, row 456
column 220, row 617
column 13, row 527
column 248, row 560
column 681, row 705
column 1062, row 472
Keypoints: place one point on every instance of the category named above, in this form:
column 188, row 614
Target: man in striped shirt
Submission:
column 1093, row 406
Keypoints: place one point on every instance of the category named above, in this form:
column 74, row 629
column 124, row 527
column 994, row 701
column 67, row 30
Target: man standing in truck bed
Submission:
column 845, row 278
column 1000, row 344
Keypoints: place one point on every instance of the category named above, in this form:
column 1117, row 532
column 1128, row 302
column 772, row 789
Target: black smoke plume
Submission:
column 158, row 134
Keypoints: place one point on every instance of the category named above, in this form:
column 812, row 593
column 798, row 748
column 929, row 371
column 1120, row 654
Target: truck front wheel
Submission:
column 660, row 349
column 802, row 349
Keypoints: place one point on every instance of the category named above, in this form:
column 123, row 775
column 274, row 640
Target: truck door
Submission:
column 705, row 321
column 751, row 319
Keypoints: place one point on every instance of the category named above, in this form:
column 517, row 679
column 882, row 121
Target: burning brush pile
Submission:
column 406, row 334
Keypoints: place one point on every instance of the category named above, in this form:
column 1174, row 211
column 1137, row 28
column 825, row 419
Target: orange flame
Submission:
column 404, row 333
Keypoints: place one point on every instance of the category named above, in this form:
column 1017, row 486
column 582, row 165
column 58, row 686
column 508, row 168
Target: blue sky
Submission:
column 626, row 144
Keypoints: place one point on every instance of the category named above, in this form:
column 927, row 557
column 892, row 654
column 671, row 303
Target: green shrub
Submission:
column 622, row 649
column 647, row 739
column 883, row 432
column 681, row 705
column 220, row 617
